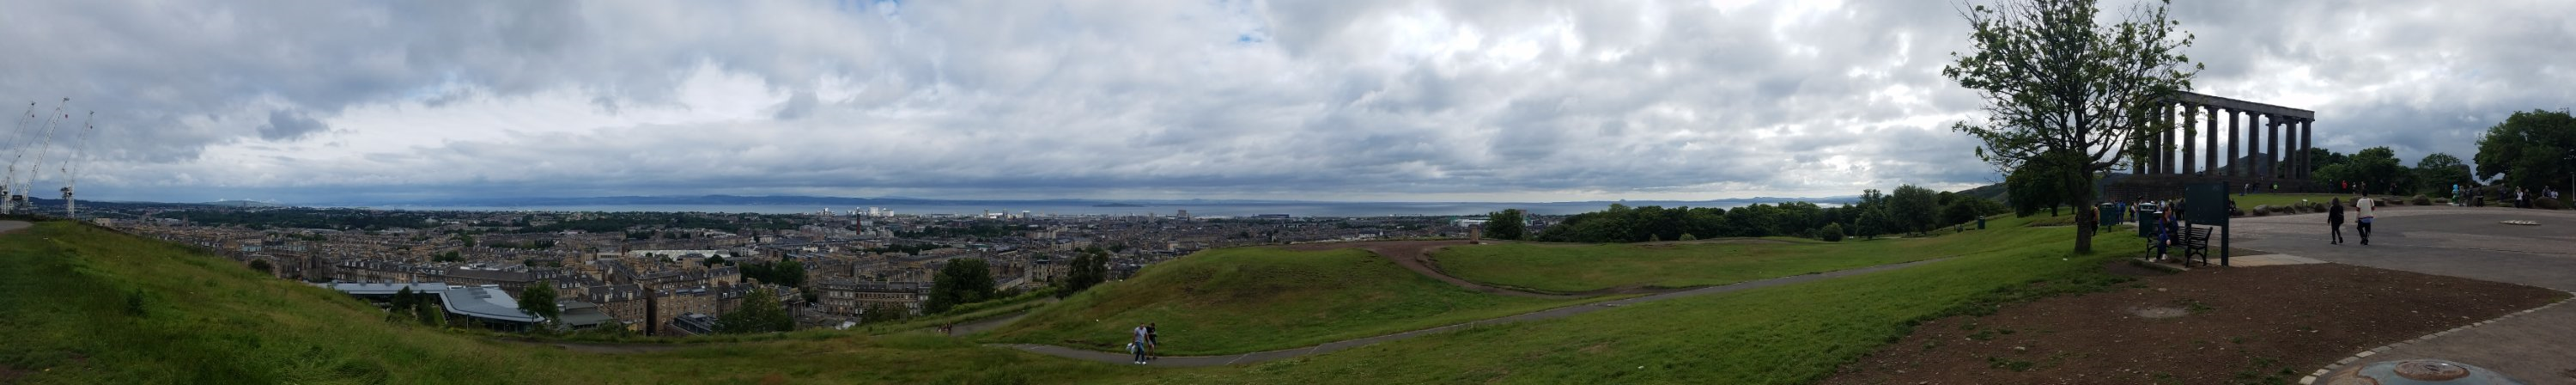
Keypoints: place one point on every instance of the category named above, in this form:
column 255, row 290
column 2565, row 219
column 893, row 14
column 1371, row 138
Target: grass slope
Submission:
column 1567, row 268
column 1254, row 299
column 1776, row 335
column 87, row 306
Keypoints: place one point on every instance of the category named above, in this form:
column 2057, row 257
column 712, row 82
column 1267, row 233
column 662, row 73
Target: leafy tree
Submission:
column 881, row 312
column 2378, row 168
column 2531, row 150
column 1961, row 211
column 2056, row 82
column 713, row 261
column 539, row 300
column 263, row 266
column 963, row 281
column 1507, row 224
column 782, row 273
column 1089, row 268
column 1913, row 209
column 760, row 313
column 401, row 306
column 1875, row 222
column 430, row 314
column 1832, row 232
column 2439, row 171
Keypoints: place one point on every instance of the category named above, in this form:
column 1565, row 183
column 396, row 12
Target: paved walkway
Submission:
column 1562, row 312
column 9, row 226
column 2464, row 242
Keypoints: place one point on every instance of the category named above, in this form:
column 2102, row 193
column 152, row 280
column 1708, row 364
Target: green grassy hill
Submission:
column 1565, row 268
column 1254, row 299
column 80, row 305
column 1777, row 335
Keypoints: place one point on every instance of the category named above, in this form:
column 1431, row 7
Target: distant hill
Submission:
column 1995, row 192
column 242, row 203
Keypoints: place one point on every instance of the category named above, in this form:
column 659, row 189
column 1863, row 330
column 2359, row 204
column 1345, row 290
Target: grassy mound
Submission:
column 89, row 306
column 1254, row 299
column 1776, row 335
column 1567, row 268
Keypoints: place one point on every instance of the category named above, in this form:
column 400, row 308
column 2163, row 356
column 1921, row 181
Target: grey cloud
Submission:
column 286, row 125
column 1332, row 98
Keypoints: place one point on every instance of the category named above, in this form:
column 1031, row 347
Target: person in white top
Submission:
column 2362, row 207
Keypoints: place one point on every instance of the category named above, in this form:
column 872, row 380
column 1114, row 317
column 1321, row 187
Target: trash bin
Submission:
column 2110, row 214
column 2147, row 223
column 1981, row 223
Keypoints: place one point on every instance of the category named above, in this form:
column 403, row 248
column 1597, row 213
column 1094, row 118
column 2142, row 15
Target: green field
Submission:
column 1777, row 335
column 1255, row 299
column 1569, row 268
column 85, row 306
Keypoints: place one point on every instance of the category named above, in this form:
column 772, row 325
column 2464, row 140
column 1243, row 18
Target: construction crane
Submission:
column 44, row 135
column 15, row 132
column 71, row 166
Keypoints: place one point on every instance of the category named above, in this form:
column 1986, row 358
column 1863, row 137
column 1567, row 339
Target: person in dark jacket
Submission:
column 2334, row 220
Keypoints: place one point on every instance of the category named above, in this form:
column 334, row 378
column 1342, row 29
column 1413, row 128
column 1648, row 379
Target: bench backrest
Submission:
column 2196, row 235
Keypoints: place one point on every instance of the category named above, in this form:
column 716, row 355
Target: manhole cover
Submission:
column 2159, row 312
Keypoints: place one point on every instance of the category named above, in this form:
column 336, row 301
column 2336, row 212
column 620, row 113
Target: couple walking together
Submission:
column 2362, row 208
column 1143, row 343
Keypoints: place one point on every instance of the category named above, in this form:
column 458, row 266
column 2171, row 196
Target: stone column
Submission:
column 2307, row 141
column 2273, row 170
column 2209, row 154
column 2235, row 139
column 2164, row 147
column 2188, row 113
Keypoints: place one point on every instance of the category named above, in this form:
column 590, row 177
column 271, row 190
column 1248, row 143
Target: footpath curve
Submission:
column 1561, row 312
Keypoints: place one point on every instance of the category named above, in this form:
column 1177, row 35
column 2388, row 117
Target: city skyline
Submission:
column 1373, row 101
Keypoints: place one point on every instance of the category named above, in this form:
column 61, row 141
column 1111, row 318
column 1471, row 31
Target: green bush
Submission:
column 1832, row 232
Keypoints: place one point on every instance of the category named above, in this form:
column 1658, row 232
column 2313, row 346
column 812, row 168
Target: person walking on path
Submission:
column 1153, row 343
column 1136, row 344
column 2334, row 220
column 2362, row 206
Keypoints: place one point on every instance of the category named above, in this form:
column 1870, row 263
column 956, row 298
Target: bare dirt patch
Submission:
column 2268, row 324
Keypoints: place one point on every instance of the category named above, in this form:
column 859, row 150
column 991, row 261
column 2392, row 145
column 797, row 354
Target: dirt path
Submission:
column 1416, row 256
column 2270, row 324
column 13, row 226
column 1562, row 312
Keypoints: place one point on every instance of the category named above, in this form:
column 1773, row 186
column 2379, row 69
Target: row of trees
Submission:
column 2379, row 170
column 1910, row 209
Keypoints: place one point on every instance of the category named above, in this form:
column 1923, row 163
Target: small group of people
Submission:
column 2522, row 197
column 2362, row 207
column 1142, row 346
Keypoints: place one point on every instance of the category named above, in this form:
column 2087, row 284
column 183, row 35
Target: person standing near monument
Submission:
column 2362, row 206
column 2334, row 221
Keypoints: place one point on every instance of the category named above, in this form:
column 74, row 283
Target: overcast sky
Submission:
column 336, row 101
